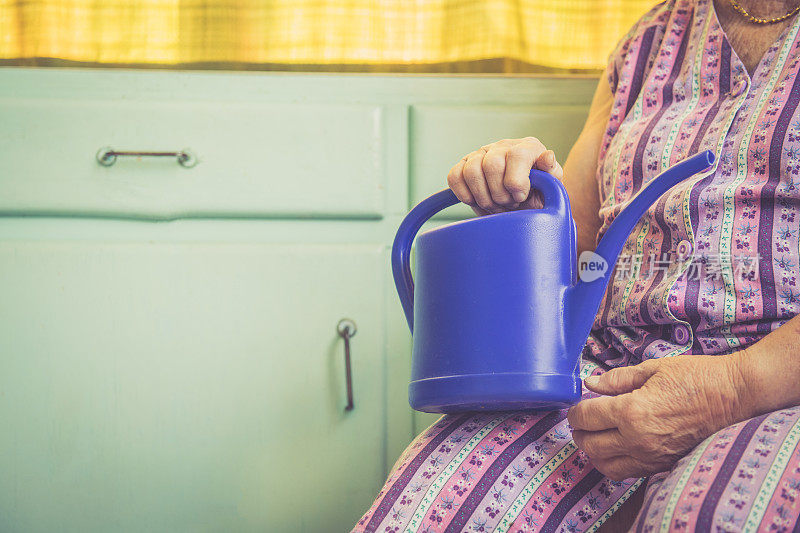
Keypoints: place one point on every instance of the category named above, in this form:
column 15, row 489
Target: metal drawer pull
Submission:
column 347, row 329
column 107, row 156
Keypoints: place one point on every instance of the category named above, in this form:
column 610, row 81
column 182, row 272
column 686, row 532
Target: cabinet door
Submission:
column 188, row 387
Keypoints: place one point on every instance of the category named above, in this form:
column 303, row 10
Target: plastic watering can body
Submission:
column 498, row 313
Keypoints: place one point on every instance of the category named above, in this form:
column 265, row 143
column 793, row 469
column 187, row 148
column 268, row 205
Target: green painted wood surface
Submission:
column 168, row 354
column 240, row 148
column 188, row 387
column 434, row 146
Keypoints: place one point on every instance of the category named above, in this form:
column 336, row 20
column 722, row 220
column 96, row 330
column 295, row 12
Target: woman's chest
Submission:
column 712, row 229
column 749, row 41
column 695, row 94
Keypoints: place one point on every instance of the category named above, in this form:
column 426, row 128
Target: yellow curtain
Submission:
column 552, row 34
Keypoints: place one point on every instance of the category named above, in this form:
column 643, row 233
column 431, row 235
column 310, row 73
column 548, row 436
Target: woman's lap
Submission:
column 745, row 477
column 516, row 471
column 485, row 472
column 521, row 471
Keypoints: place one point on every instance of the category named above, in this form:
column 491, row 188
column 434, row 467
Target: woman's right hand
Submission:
column 495, row 178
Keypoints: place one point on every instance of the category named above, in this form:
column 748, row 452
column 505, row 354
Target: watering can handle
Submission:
column 555, row 200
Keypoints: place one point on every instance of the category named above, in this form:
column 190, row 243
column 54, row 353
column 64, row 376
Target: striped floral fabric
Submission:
column 711, row 268
column 515, row 471
column 743, row 478
column 717, row 255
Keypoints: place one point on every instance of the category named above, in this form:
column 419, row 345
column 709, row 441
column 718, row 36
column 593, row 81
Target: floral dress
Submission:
column 711, row 268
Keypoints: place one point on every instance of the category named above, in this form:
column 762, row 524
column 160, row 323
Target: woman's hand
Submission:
column 657, row 411
column 495, row 178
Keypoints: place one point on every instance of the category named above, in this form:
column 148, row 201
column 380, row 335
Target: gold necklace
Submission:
column 756, row 20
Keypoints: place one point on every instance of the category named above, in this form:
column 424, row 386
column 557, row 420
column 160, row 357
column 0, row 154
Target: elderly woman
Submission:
column 690, row 417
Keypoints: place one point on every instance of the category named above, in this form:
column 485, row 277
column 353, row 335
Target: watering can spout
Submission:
column 596, row 267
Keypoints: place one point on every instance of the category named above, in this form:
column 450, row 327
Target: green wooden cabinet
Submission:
column 168, row 351
column 164, row 387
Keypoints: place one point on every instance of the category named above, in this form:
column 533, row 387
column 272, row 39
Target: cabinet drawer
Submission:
column 264, row 159
column 441, row 135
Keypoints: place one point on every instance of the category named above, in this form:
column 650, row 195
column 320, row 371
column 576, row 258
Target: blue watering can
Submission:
column 499, row 317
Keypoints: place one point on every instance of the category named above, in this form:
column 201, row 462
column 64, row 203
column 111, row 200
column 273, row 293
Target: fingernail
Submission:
column 550, row 158
column 592, row 381
column 520, row 196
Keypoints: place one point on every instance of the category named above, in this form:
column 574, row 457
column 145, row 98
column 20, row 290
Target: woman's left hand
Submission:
column 657, row 411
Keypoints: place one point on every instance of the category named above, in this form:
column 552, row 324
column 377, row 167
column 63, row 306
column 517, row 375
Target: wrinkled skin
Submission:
column 654, row 413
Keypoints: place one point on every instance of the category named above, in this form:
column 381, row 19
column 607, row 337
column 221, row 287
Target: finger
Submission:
column 557, row 171
column 519, row 161
column 600, row 444
column 455, row 180
column 548, row 163
column 621, row 468
column 595, row 414
column 621, row 380
column 476, row 181
column 494, row 167
column 535, row 201
column 502, row 142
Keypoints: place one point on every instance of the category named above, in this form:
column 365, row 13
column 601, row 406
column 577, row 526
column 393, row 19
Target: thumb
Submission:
column 547, row 162
column 621, row 380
